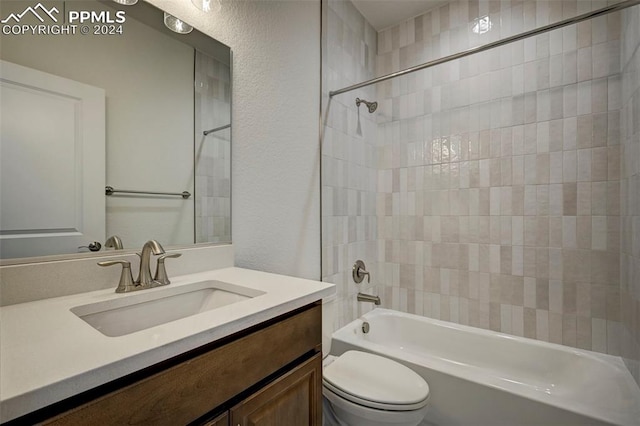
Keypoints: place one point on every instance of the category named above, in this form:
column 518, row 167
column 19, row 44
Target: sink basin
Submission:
column 149, row 308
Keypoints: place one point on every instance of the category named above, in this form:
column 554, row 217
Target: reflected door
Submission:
column 52, row 157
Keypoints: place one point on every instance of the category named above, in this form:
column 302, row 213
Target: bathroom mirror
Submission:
column 105, row 95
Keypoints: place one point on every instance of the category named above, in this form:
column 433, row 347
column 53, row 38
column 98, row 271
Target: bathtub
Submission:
column 481, row 377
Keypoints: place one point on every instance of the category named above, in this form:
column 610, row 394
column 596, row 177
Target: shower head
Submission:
column 371, row 106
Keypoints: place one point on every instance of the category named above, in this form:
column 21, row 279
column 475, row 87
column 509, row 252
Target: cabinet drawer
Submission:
column 191, row 389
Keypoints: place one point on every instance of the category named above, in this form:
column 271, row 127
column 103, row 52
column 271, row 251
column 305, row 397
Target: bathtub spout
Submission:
column 368, row 298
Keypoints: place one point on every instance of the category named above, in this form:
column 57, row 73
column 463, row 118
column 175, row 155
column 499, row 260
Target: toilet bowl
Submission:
column 361, row 389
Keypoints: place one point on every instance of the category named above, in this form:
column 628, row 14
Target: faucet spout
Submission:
column 144, row 277
column 114, row 242
column 368, row 298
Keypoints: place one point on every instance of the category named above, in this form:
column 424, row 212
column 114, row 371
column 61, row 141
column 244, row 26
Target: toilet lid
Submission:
column 370, row 377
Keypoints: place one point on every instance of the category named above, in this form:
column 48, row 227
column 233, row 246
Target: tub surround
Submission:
column 512, row 169
column 42, row 334
column 349, row 158
column 498, row 200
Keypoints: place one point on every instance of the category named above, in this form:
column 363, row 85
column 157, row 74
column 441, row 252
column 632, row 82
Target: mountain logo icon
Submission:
column 34, row 11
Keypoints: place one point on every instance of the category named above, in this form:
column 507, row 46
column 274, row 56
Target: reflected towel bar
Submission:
column 226, row 126
column 108, row 190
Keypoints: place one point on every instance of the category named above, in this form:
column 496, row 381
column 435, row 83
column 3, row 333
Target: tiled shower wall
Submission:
column 499, row 185
column 630, row 191
column 349, row 165
column 498, row 176
column 213, row 152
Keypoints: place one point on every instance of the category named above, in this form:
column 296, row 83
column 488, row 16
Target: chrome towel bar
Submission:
column 109, row 190
column 226, row 126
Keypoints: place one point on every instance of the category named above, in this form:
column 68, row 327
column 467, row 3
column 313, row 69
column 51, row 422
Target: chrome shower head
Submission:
column 371, row 106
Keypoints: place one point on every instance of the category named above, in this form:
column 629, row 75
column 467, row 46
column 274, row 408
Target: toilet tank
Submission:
column 329, row 312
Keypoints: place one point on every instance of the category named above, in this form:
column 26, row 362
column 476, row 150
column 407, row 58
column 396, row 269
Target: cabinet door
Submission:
column 294, row 399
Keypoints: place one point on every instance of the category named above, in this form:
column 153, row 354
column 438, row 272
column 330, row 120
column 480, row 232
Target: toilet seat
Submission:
column 376, row 382
column 371, row 404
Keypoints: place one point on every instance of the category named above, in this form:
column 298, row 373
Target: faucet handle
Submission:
column 161, row 272
column 359, row 271
column 126, row 283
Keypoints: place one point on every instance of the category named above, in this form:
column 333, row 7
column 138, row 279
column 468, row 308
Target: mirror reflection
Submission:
column 143, row 110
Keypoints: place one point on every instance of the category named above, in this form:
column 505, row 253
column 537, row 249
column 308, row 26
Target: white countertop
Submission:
column 48, row 354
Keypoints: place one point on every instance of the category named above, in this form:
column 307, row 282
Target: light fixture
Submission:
column 176, row 25
column 207, row 5
column 126, row 2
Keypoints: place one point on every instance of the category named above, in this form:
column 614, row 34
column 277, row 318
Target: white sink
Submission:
column 149, row 308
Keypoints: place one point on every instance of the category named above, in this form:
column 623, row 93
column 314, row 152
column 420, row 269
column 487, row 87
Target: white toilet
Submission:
column 361, row 389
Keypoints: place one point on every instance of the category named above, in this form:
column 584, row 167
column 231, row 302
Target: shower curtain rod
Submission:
column 585, row 16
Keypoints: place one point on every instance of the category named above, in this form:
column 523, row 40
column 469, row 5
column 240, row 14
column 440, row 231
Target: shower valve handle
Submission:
column 359, row 271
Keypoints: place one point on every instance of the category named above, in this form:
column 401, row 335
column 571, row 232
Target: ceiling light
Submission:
column 126, row 2
column 176, row 25
column 207, row 5
column 482, row 25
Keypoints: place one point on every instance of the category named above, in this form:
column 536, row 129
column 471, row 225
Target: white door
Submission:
column 52, row 163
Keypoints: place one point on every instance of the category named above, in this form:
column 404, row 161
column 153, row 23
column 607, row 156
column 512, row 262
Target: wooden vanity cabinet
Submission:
column 267, row 375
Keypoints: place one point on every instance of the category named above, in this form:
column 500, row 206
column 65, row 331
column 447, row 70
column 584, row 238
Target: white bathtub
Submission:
column 481, row 377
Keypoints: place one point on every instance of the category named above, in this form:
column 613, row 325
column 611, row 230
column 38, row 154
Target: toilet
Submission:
column 361, row 389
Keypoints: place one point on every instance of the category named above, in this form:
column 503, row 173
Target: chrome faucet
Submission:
column 126, row 284
column 161, row 277
column 145, row 279
column 368, row 298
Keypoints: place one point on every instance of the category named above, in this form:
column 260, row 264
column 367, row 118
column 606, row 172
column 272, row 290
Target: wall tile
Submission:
column 497, row 194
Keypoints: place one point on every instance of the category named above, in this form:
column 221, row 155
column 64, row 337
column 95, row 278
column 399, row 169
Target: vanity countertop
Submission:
column 48, row 354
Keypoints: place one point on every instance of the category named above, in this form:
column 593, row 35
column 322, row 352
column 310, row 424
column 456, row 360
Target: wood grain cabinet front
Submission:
column 221, row 420
column 282, row 359
column 294, row 399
